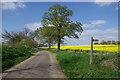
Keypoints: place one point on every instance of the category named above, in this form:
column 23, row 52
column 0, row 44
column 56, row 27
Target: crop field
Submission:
column 111, row 48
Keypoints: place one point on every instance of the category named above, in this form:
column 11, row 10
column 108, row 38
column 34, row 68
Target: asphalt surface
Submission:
column 42, row 65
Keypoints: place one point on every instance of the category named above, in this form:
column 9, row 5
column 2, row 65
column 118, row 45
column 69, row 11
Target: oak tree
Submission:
column 59, row 17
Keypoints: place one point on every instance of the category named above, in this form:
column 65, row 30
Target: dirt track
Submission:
column 42, row 65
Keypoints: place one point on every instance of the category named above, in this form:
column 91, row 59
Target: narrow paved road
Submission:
column 42, row 65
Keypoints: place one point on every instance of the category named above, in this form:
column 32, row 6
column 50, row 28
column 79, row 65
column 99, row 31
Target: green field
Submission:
column 77, row 64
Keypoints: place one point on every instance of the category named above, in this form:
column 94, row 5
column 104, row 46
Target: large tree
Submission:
column 58, row 16
column 46, row 35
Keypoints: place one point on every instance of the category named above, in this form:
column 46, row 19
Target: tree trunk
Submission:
column 49, row 45
column 59, row 37
column 58, row 45
column 59, row 40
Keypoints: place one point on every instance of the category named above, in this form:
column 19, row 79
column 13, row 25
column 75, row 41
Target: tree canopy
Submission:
column 46, row 35
column 59, row 17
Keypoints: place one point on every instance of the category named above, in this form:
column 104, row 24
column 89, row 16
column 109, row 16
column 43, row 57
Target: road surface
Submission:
column 42, row 65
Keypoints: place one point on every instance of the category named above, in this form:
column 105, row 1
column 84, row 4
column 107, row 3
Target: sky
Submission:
column 99, row 20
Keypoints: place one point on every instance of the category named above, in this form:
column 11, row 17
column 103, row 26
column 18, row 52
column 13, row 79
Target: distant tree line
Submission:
column 108, row 42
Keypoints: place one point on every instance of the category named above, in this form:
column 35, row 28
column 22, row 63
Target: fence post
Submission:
column 91, row 50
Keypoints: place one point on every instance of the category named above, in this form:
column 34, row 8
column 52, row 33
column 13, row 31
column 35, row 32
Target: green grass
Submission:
column 12, row 55
column 77, row 65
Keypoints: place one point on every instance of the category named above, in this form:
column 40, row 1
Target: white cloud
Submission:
column 11, row 0
column 81, row 41
column 98, row 22
column 107, row 34
column 106, row 0
column 111, row 31
column 99, row 32
column 12, row 5
column 33, row 26
column 102, row 3
column 106, row 37
column 60, row 0
column 84, row 40
column 91, row 32
column 95, row 23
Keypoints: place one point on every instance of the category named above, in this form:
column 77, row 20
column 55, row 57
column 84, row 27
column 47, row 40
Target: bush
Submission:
column 7, row 64
column 12, row 55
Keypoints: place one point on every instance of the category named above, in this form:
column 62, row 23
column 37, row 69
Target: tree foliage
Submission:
column 58, row 17
column 113, row 42
column 117, row 42
column 46, row 35
column 23, row 37
column 109, row 42
column 103, row 42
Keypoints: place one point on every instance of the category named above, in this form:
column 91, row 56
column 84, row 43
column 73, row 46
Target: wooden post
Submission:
column 91, row 50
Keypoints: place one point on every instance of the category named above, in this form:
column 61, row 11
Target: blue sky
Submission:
column 99, row 20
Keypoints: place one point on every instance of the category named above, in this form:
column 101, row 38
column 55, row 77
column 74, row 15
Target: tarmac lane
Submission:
column 41, row 65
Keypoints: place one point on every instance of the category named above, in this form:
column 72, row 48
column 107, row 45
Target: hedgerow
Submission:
column 12, row 55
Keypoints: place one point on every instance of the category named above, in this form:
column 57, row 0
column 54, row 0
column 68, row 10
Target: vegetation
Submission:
column 109, row 42
column 23, row 37
column 74, row 61
column 113, row 42
column 17, row 46
column 46, row 35
column 58, row 17
column 12, row 55
column 76, row 64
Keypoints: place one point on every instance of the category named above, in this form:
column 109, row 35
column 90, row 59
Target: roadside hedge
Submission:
column 12, row 55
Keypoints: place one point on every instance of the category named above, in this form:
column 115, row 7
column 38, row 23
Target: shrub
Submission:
column 12, row 55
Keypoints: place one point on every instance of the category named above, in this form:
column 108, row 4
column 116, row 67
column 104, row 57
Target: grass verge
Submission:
column 76, row 64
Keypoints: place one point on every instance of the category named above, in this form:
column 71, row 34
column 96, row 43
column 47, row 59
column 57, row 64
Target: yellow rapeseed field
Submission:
column 111, row 48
